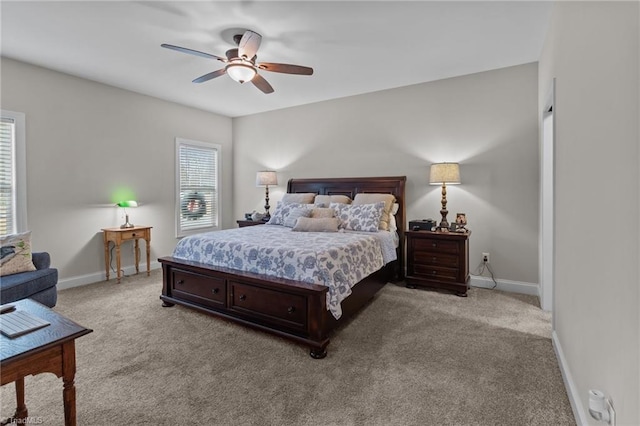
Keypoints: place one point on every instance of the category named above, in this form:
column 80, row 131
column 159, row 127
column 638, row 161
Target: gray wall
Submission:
column 487, row 122
column 84, row 141
column 592, row 51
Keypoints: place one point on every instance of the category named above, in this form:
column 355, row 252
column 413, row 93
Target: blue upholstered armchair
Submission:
column 39, row 285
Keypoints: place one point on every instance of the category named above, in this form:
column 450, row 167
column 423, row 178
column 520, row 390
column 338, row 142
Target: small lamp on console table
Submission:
column 266, row 178
column 444, row 173
column 124, row 205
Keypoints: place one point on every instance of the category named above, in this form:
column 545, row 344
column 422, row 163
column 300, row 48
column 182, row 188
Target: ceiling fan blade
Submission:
column 192, row 52
column 286, row 68
column 210, row 76
column 262, row 84
column 249, row 44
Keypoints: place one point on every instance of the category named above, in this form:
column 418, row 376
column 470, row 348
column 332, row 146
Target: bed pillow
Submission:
column 388, row 199
column 362, row 217
column 393, row 224
column 320, row 212
column 283, row 210
column 325, row 200
column 324, row 224
column 300, row 198
column 294, row 214
column 16, row 254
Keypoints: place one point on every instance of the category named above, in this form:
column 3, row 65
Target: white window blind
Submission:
column 197, row 186
column 13, row 173
column 7, row 176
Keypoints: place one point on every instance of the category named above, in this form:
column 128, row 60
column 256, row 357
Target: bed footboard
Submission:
column 289, row 309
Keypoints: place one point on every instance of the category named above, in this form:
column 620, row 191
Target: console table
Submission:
column 118, row 236
column 50, row 349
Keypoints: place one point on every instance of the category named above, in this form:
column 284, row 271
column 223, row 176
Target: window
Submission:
column 197, row 194
column 13, row 188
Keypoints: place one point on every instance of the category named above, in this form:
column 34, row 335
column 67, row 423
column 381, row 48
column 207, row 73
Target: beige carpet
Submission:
column 412, row 357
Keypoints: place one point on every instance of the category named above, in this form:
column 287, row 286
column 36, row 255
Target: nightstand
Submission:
column 118, row 236
column 243, row 223
column 438, row 260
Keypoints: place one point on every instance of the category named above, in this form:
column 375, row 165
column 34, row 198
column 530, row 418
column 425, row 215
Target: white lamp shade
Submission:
column 265, row 178
column 444, row 173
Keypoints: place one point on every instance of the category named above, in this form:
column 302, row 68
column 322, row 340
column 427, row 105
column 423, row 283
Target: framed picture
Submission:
column 461, row 219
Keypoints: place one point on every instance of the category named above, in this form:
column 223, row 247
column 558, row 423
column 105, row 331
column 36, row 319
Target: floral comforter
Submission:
column 337, row 260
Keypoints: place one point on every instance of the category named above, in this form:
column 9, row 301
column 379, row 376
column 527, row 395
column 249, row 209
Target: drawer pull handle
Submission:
column 434, row 244
column 215, row 291
column 291, row 309
column 243, row 297
column 433, row 259
column 433, row 272
column 180, row 281
column 133, row 235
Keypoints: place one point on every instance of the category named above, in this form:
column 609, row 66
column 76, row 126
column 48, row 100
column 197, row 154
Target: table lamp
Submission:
column 444, row 173
column 266, row 178
column 124, row 205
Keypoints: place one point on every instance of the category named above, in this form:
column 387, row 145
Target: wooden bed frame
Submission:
column 291, row 309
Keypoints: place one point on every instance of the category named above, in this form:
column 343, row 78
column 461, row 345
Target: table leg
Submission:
column 106, row 258
column 21, row 408
column 68, row 379
column 148, row 241
column 118, row 261
column 137, row 256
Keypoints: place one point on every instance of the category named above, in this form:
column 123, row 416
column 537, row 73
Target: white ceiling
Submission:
column 354, row 47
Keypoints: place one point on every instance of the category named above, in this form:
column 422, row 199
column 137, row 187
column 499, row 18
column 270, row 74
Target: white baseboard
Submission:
column 505, row 285
column 99, row 276
column 572, row 391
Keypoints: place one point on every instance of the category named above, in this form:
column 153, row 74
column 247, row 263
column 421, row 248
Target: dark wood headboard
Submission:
column 351, row 186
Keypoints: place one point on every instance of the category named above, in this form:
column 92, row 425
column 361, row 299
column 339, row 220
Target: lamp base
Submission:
column 126, row 223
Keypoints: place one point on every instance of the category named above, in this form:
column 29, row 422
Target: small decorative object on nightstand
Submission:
column 438, row 260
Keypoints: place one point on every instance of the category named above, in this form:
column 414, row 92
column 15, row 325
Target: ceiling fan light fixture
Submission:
column 240, row 72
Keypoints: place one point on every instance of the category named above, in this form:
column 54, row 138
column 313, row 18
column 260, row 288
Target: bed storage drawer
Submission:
column 198, row 288
column 276, row 307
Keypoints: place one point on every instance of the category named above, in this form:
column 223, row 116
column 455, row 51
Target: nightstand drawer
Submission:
column 436, row 259
column 198, row 288
column 433, row 244
column 435, row 272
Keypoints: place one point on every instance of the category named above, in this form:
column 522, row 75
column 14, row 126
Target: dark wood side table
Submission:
column 243, row 223
column 438, row 260
column 118, row 236
column 50, row 349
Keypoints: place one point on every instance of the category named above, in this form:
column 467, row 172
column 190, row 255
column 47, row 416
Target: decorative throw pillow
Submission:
column 16, row 254
column 363, row 217
column 294, row 214
column 325, row 200
column 368, row 198
column 300, row 198
column 320, row 212
column 325, row 224
column 283, row 210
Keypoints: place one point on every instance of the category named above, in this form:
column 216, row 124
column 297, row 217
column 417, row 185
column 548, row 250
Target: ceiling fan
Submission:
column 241, row 63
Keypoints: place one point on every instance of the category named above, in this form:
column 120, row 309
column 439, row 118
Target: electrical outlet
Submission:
column 485, row 257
